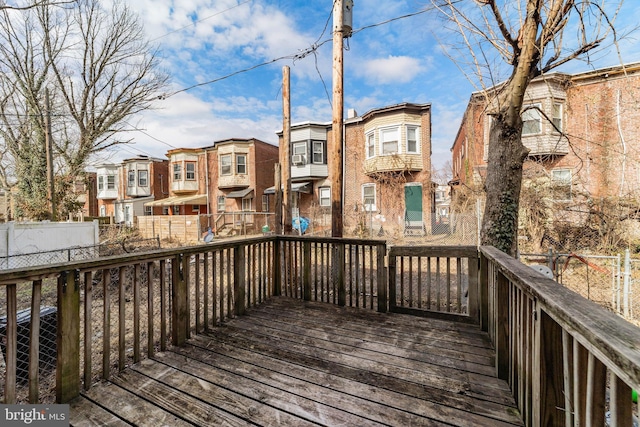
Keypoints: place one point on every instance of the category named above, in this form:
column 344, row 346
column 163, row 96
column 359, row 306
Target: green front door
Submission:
column 413, row 205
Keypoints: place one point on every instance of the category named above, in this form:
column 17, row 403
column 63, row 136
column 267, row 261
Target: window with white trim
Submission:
column 195, row 208
column 561, row 184
column 371, row 145
column 389, row 141
column 148, row 210
column 111, row 182
column 100, row 183
column 221, row 203
column 532, row 120
column 241, row 164
column 143, row 178
column 369, row 197
column 557, row 117
column 176, row 209
column 318, row 152
column 225, row 164
column 413, row 140
column 246, row 204
column 324, row 196
column 190, row 171
column 131, row 180
column 177, row 172
column 300, row 149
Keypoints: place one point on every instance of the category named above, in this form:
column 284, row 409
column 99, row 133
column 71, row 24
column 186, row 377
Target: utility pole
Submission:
column 285, row 157
column 51, row 193
column 337, row 121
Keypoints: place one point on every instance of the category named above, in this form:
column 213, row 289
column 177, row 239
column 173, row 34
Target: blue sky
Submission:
column 203, row 40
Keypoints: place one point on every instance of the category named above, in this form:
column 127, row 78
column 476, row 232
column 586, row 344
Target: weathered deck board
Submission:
column 293, row 363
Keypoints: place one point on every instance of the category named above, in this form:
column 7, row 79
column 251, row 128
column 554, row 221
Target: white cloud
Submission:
column 393, row 69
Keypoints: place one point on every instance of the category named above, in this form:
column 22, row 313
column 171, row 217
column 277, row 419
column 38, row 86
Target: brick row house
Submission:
column 219, row 187
column 123, row 189
column 582, row 135
column 387, row 171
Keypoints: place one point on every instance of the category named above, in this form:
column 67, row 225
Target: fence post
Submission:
column 338, row 272
column 381, row 279
column 483, row 294
column 392, row 280
column 306, row 271
column 239, row 279
column 179, row 306
column 502, row 306
column 277, row 267
column 627, row 276
column 474, row 282
column 68, row 337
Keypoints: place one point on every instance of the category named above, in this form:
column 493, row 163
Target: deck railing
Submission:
column 567, row 360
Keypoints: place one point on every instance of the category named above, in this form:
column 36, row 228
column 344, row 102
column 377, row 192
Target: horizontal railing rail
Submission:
column 568, row 360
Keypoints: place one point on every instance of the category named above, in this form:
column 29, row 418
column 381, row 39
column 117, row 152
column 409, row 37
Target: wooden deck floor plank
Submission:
column 354, row 394
column 179, row 392
column 456, row 351
column 132, row 408
column 400, row 324
column 85, row 413
column 387, row 364
column 427, row 335
column 370, row 343
column 334, row 363
column 304, row 399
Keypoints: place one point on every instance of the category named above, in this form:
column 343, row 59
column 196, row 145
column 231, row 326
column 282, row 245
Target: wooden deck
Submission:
column 295, row 363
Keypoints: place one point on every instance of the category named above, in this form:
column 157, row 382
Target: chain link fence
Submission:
column 78, row 253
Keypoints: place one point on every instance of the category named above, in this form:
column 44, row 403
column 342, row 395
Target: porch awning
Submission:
column 298, row 187
column 198, row 199
column 240, row 194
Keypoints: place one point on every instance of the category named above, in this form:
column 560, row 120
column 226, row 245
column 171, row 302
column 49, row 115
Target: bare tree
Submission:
column 31, row 5
column 99, row 70
column 526, row 38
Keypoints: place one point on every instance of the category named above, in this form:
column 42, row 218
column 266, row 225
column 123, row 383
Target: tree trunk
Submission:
column 502, row 184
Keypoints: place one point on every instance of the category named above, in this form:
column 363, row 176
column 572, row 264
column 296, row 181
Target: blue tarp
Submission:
column 301, row 224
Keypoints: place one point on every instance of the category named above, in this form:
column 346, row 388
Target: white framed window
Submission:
column 195, row 208
column 143, row 178
column 131, row 180
column 389, row 141
column 148, row 210
column 561, row 181
column 176, row 210
column 413, row 140
column 318, row 152
column 557, row 117
column 531, row 120
column 369, row 197
column 165, row 210
column 103, row 210
column 225, row 164
column 371, row 145
column 221, row 203
column 100, row 183
column 177, row 172
column 324, row 196
column 111, row 182
column 190, row 171
column 241, row 164
column 246, row 204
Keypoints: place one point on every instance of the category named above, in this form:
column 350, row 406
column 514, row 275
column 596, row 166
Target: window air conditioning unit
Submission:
column 297, row 159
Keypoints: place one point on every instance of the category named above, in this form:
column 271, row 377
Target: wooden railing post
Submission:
column 68, row 337
column 474, row 283
column 502, row 306
column 179, row 306
column 277, row 267
column 483, row 292
column 381, row 279
column 306, row 271
column 239, row 280
column 548, row 396
column 338, row 273
column 392, row 281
